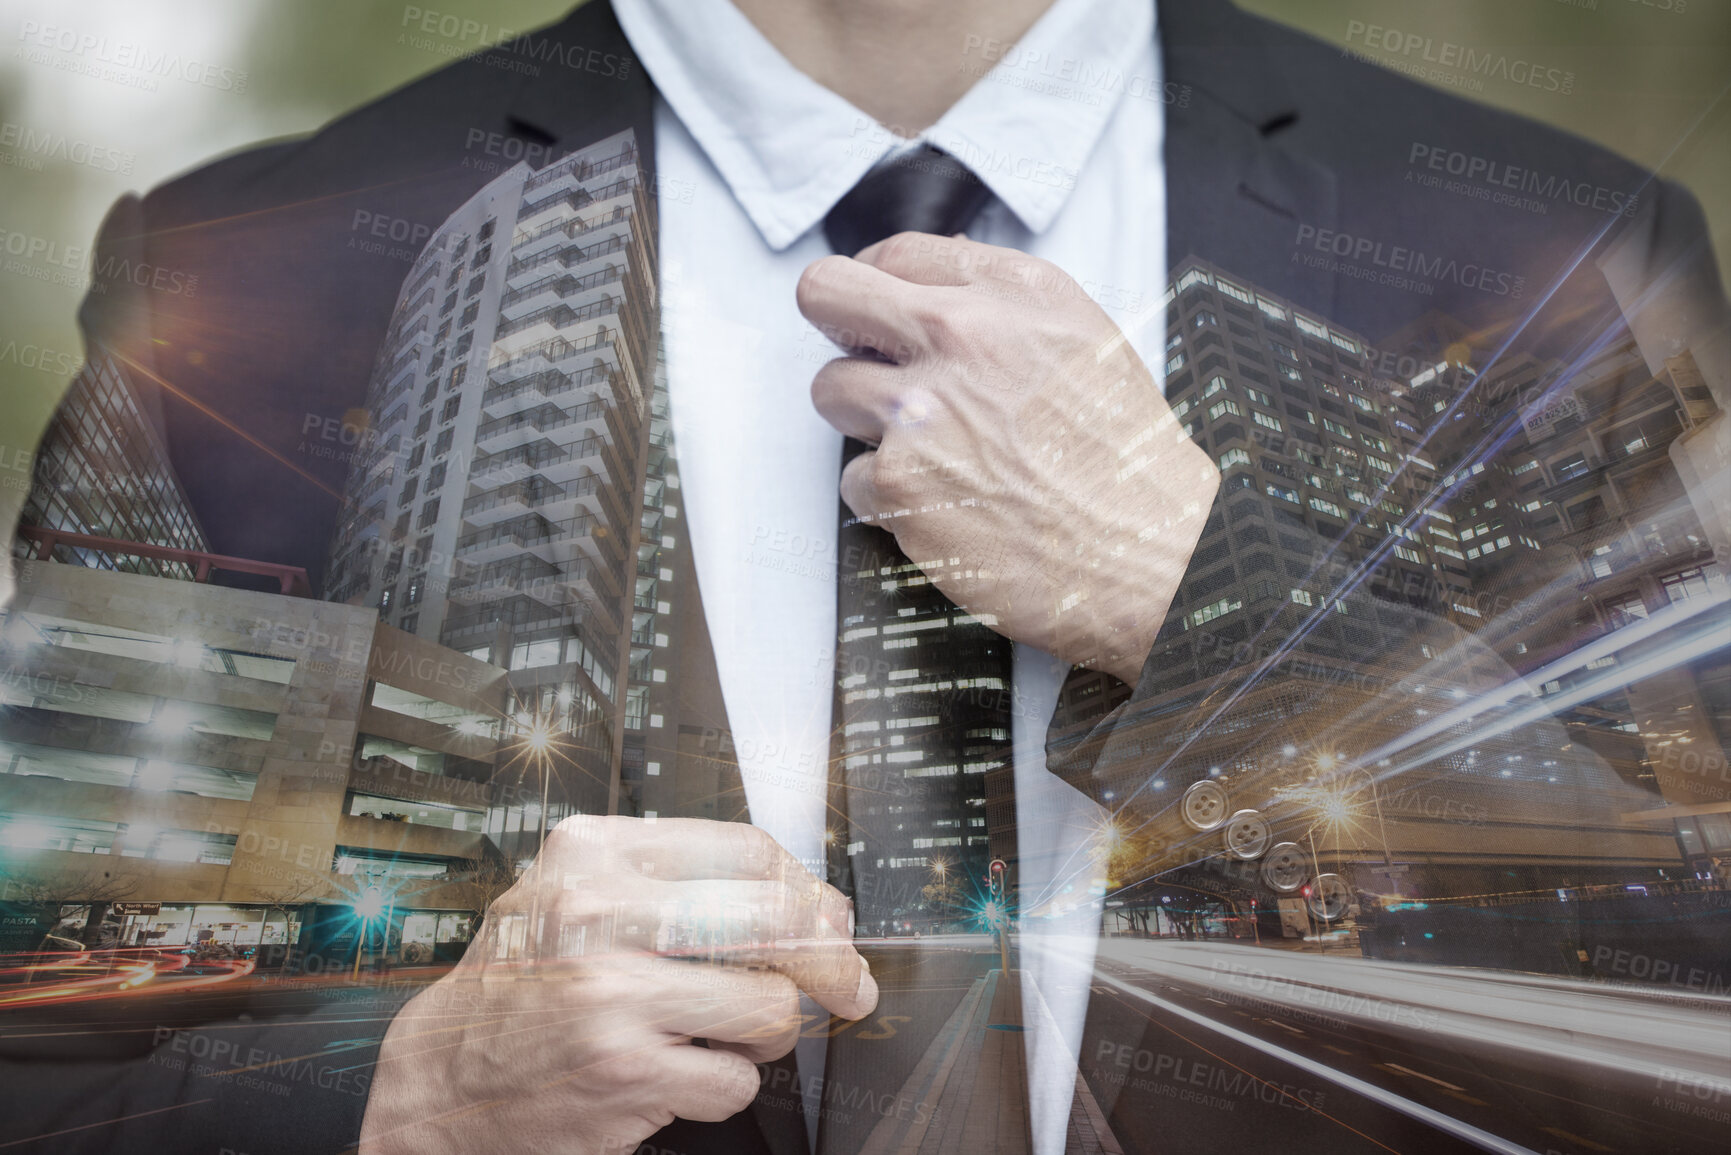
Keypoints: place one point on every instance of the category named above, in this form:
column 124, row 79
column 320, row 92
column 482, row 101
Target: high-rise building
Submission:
column 924, row 715
column 1583, row 471
column 102, row 470
column 500, row 509
column 1353, row 616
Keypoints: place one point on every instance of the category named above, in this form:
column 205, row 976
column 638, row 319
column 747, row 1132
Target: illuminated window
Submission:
column 1218, row 609
column 1233, row 291
column 1700, row 582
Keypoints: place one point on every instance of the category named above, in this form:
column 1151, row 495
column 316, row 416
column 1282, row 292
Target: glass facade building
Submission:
column 102, row 470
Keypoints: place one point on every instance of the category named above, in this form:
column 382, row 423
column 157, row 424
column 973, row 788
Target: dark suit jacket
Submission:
column 1273, row 141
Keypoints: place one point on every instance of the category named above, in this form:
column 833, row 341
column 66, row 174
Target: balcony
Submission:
column 570, row 228
column 543, row 419
column 538, row 494
column 564, row 198
column 575, row 169
column 561, row 285
column 529, row 532
column 544, row 386
column 549, row 353
column 558, row 316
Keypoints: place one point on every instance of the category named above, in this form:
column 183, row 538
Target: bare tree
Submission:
column 94, row 889
column 294, row 893
column 482, row 879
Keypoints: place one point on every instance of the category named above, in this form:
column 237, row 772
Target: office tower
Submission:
column 1341, row 642
column 499, row 510
column 1574, row 459
column 102, row 470
column 925, row 717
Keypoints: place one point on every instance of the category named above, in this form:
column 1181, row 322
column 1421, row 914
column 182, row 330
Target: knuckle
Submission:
column 826, row 384
column 755, row 844
column 815, row 278
column 568, row 835
column 892, row 484
column 632, row 1068
column 737, row 1080
column 903, row 251
column 937, row 319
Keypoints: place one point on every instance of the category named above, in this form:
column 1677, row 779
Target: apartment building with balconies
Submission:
column 500, row 509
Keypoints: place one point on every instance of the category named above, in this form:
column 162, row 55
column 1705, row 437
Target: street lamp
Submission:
column 369, row 904
column 1381, row 827
column 539, row 740
column 1337, row 809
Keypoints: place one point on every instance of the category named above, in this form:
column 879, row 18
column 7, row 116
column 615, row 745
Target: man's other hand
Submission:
column 655, row 933
column 1024, row 459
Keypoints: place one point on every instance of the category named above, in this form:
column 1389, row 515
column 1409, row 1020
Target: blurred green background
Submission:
column 1649, row 82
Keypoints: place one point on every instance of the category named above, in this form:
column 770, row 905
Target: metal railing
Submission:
column 293, row 579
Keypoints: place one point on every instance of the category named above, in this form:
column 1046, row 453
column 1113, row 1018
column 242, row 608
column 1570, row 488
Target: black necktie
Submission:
column 923, row 191
column 923, row 690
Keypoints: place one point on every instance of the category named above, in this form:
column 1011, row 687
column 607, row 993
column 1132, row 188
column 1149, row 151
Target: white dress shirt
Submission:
column 750, row 154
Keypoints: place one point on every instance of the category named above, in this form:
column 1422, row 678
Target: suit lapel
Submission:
column 586, row 82
column 601, row 89
column 1236, row 189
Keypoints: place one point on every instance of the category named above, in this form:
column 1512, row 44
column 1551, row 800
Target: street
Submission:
column 1224, row 1047
column 1198, row 1047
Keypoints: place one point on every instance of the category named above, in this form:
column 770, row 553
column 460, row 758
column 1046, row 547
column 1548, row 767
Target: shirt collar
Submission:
column 789, row 148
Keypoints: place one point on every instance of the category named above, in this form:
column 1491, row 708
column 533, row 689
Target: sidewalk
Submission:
column 973, row 1082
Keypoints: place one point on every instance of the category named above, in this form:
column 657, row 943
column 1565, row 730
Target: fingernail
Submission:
column 866, row 998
